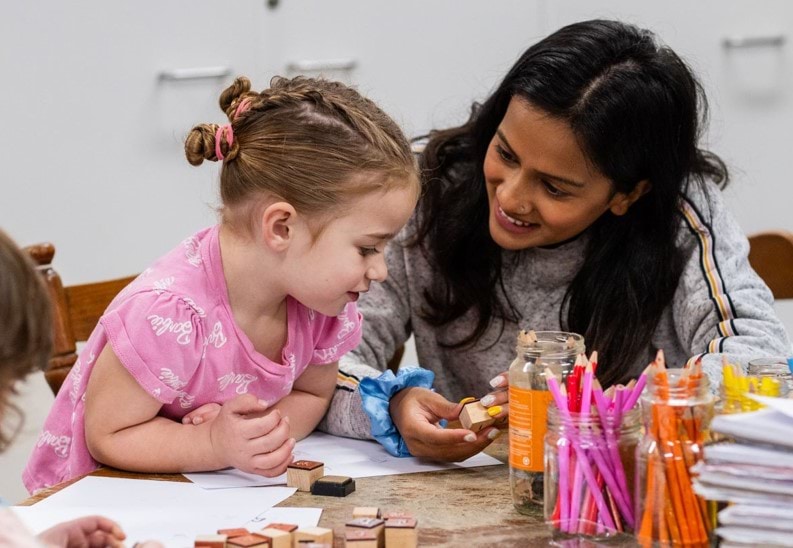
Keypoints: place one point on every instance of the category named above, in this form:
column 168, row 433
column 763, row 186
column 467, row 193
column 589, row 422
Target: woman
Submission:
column 575, row 197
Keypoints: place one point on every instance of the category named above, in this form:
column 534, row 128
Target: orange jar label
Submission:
column 527, row 426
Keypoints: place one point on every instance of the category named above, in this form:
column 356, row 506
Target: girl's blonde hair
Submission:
column 25, row 326
column 313, row 143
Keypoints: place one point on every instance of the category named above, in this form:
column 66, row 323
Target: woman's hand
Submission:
column 498, row 398
column 416, row 413
column 90, row 531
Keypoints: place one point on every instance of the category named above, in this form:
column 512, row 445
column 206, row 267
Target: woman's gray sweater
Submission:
column 720, row 306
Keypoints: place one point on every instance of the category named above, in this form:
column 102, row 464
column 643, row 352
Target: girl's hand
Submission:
column 205, row 413
column 244, row 434
column 499, row 397
column 416, row 413
column 91, row 531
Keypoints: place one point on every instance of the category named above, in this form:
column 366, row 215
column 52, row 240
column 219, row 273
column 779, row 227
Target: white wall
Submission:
column 91, row 140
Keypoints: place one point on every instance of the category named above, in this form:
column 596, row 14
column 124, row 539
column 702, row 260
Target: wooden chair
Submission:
column 771, row 255
column 76, row 311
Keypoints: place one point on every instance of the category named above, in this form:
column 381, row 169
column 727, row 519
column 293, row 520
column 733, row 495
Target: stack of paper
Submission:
column 754, row 473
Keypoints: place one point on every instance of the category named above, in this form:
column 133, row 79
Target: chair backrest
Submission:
column 771, row 255
column 76, row 311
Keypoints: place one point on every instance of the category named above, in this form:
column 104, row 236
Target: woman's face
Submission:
column 541, row 188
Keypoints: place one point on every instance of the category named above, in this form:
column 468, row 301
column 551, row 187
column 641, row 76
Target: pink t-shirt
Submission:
column 174, row 331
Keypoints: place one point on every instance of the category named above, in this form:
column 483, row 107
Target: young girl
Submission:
column 25, row 346
column 576, row 197
column 253, row 313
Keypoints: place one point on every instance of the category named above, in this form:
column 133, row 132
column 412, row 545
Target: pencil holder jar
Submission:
column 765, row 377
column 590, row 467
column 677, row 409
column 529, row 400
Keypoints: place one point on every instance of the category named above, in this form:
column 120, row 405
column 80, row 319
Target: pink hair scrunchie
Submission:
column 244, row 105
column 219, row 135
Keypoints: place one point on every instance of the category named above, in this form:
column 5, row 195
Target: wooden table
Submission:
column 454, row 508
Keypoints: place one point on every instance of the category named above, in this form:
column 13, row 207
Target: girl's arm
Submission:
column 309, row 399
column 123, row 430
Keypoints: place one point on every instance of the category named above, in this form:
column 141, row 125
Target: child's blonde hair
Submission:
column 313, row 143
column 25, row 325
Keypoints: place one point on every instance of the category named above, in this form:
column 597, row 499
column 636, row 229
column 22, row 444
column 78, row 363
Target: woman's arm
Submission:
column 123, row 430
column 721, row 305
column 415, row 411
column 386, row 326
column 309, row 399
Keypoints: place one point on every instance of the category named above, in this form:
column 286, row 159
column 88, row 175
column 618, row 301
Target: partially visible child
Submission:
column 25, row 345
column 253, row 313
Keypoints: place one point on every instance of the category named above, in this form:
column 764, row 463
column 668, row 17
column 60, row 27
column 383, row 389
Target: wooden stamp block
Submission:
column 288, row 527
column 249, row 541
column 366, row 523
column 396, row 514
column 231, row 533
column 371, row 524
column 210, row 541
column 277, row 537
column 333, row 486
column 302, row 473
column 362, row 538
column 313, row 534
column 474, row 416
column 365, row 512
column 401, row 533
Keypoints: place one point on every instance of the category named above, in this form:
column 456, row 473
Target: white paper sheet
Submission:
column 765, row 426
column 741, row 453
column 754, row 537
column 171, row 512
column 342, row 457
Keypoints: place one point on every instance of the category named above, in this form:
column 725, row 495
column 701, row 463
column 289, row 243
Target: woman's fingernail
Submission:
column 494, row 433
column 497, row 381
column 469, row 399
column 493, row 411
column 198, row 420
column 488, row 400
column 470, row 437
column 263, row 403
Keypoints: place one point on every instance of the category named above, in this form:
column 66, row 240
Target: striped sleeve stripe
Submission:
column 710, row 269
column 344, row 380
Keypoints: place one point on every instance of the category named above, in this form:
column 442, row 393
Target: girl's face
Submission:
column 541, row 188
column 332, row 270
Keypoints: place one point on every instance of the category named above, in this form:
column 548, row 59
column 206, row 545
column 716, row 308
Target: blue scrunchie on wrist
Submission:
column 376, row 393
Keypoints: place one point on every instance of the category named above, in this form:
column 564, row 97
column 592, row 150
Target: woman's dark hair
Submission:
column 638, row 113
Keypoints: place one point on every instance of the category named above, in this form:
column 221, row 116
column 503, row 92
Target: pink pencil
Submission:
column 582, row 466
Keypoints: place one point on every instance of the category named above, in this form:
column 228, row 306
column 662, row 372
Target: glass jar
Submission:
column 582, row 451
column 528, row 401
column 764, row 376
column 677, row 409
column 775, row 368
